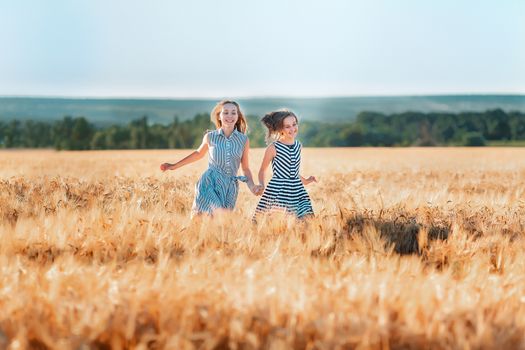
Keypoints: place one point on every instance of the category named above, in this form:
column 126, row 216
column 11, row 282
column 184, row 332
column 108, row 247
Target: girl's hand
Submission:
column 256, row 189
column 311, row 179
column 165, row 166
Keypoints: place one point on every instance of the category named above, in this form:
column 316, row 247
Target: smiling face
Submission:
column 229, row 115
column 290, row 128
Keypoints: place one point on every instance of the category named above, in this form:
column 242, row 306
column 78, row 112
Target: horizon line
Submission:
column 306, row 96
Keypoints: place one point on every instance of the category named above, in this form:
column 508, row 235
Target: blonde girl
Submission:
column 228, row 148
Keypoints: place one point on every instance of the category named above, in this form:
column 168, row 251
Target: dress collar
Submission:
column 221, row 132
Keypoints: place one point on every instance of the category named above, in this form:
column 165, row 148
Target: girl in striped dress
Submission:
column 228, row 148
column 285, row 191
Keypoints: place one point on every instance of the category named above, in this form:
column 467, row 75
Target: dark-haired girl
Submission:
column 285, row 192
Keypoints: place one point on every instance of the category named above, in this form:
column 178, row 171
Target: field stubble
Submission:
column 410, row 248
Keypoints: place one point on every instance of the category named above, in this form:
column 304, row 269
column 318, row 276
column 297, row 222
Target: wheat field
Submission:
column 410, row 248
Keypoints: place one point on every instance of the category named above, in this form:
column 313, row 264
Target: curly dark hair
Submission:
column 274, row 122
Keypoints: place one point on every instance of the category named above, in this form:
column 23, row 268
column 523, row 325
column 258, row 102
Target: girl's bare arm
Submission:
column 192, row 157
column 245, row 164
column 269, row 154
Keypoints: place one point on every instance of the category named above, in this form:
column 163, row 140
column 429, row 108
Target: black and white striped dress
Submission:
column 285, row 191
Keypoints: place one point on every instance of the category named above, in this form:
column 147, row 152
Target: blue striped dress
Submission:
column 218, row 187
column 285, row 191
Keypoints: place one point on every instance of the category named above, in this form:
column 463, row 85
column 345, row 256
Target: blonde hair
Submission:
column 241, row 124
column 274, row 123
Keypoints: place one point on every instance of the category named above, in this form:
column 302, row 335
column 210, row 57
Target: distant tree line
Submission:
column 368, row 129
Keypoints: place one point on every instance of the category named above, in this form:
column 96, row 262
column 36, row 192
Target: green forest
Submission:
column 368, row 129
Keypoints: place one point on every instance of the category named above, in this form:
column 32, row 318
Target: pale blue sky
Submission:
column 267, row 48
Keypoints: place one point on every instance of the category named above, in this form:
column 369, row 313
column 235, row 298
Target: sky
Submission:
column 243, row 48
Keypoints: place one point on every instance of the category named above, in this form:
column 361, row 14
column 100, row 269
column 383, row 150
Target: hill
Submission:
column 121, row 111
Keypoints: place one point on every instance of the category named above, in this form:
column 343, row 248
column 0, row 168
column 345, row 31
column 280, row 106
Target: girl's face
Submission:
column 229, row 115
column 290, row 127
